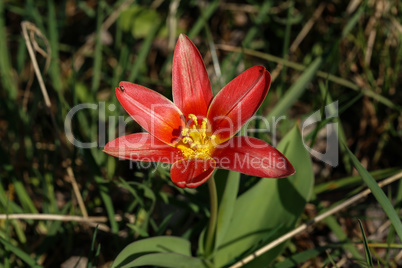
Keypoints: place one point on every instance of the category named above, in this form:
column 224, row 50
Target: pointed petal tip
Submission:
column 238, row 101
column 153, row 111
column 123, row 85
column 267, row 75
column 288, row 171
column 191, row 88
column 283, row 167
column 183, row 38
column 253, row 157
column 121, row 88
column 191, row 173
column 107, row 148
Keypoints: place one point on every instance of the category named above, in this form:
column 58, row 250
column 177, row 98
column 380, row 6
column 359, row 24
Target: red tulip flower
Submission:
column 196, row 132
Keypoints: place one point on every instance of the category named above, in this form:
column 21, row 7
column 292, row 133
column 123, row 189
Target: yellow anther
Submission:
column 194, row 118
column 196, row 139
column 204, row 124
column 187, row 140
column 203, row 128
column 185, row 131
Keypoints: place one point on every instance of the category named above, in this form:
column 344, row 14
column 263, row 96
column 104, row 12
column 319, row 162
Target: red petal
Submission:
column 152, row 111
column 253, row 157
column 238, row 101
column 192, row 172
column 190, row 83
column 142, row 147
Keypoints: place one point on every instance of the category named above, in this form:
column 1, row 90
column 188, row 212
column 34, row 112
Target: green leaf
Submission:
column 25, row 199
column 139, row 20
column 352, row 181
column 269, row 204
column 173, row 260
column 19, row 253
column 200, row 23
column 354, row 19
column 54, row 69
column 158, row 244
column 145, row 48
column 97, row 63
column 230, row 65
column 300, row 258
column 107, row 201
column 366, row 246
column 93, row 253
column 297, row 89
column 8, row 82
column 331, row 260
column 138, row 230
column 226, row 206
column 378, row 193
column 339, row 232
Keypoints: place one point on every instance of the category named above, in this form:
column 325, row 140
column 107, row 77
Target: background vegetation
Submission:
column 317, row 52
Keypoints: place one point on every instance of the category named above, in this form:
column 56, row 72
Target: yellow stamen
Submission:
column 204, row 124
column 194, row 118
column 193, row 145
column 184, row 132
column 197, row 141
column 203, row 129
column 187, row 140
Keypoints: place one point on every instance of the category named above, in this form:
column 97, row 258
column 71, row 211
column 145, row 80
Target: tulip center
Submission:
column 196, row 141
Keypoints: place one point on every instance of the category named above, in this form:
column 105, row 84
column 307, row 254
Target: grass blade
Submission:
column 144, row 51
column 231, row 66
column 107, row 201
column 5, row 63
column 336, row 228
column 366, row 247
column 378, row 193
column 93, row 254
column 296, row 89
column 200, row 23
column 54, row 70
column 97, row 67
column 19, row 253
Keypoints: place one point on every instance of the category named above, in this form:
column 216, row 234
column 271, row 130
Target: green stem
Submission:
column 212, row 220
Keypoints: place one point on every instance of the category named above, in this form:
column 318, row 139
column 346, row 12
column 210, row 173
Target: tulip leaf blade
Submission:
column 172, row 260
column 270, row 204
column 226, row 205
column 158, row 244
